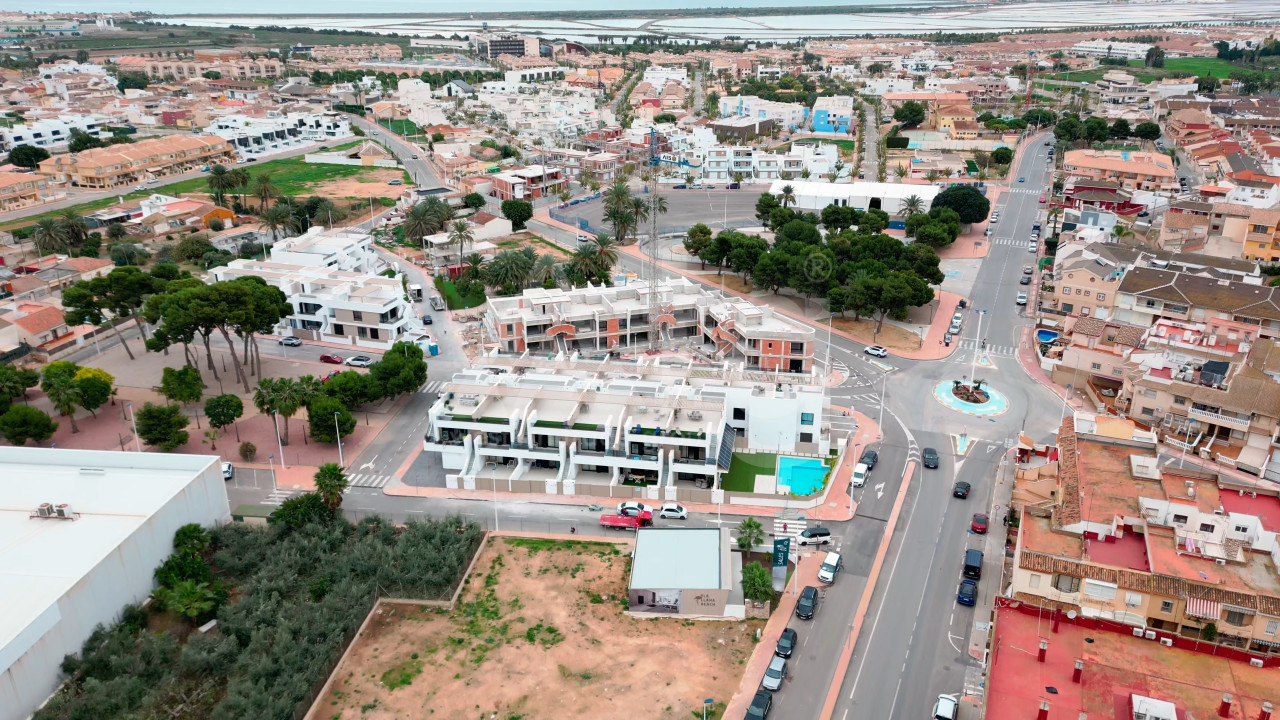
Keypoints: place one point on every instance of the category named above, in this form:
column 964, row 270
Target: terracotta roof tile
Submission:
column 41, row 320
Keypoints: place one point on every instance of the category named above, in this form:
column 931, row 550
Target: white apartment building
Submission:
column 722, row 163
column 51, row 133
column 791, row 115
column 423, row 108
column 889, row 197
column 260, row 136
column 329, row 277
column 626, row 427
column 882, row 85
column 551, row 113
column 659, row 75
column 531, row 75
column 1118, row 87
column 1107, row 48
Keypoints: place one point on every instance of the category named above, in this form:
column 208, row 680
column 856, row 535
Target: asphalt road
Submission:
column 418, row 169
column 870, row 145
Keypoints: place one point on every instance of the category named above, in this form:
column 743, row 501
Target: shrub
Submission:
column 248, row 451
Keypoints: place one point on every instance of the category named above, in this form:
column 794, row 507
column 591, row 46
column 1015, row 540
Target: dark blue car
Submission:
column 968, row 594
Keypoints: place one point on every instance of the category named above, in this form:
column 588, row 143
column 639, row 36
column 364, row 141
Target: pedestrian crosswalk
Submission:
column 866, row 399
column 434, row 386
column 1026, row 191
column 278, row 496
column 367, row 480
column 840, row 367
column 783, row 527
column 997, row 350
column 1012, row 242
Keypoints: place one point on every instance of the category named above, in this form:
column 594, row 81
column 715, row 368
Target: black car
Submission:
column 869, row 458
column 760, row 706
column 961, row 490
column 680, row 186
column 807, row 604
column 426, row 320
column 735, row 186
column 1024, row 280
column 786, row 643
column 930, row 457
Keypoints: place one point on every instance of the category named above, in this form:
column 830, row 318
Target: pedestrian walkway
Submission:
column 788, row 528
column 1025, row 191
column 866, row 399
column 434, row 386
column 997, row 350
column 368, row 480
column 1012, row 242
column 279, row 496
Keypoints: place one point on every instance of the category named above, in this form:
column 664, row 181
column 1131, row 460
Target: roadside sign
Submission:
column 781, row 549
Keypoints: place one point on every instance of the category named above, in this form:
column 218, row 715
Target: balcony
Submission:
column 1220, row 419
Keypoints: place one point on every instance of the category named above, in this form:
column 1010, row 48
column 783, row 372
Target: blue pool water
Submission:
column 1045, row 336
column 803, row 475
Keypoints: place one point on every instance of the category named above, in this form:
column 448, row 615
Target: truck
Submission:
column 415, row 293
column 437, row 302
column 627, row 522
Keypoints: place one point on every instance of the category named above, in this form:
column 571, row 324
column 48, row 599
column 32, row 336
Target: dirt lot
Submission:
column 372, row 182
column 890, row 336
column 539, row 633
column 522, row 239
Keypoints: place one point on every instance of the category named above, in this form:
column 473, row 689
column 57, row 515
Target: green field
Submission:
column 454, row 300
column 743, row 469
column 1173, row 67
column 401, row 127
column 183, row 38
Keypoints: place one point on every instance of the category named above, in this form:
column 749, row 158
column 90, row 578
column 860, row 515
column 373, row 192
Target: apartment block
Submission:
column 51, row 133
column 254, row 136
column 1263, row 241
column 231, row 65
column 1117, row 87
column 1248, row 310
column 330, row 280
column 1133, row 170
column 834, row 113
column 19, row 190
column 657, row 428
column 659, row 76
column 789, row 115
column 602, row 166
column 492, row 45
column 1111, row 49
column 1108, row 532
column 375, row 51
column 606, row 318
column 145, row 160
column 726, row 163
column 528, row 183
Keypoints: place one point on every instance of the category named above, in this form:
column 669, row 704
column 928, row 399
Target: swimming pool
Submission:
column 1045, row 336
column 803, row 476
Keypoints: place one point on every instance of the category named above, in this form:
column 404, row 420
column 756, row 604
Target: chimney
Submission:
column 1078, row 671
column 1224, row 708
column 1265, row 713
column 1044, row 650
column 1044, row 710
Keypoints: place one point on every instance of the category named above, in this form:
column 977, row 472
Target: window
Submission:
column 739, row 413
column 1235, row 617
column 373, row 333
column 1099, row 590
column 337, row 330
column 1166, row 607
column 797, row 348
column 1066, row 291
column 1179, row 400
column 1242, row 529
column 1206, row 527
column 1149, row 393
column 1066, row 583
column 806, row 418
column 1132, row 599
column 511, row 330
column 1150, row 303
column 362, row 331
column 1096, row 366
column 1149, row 412
column 1273, row 626
column 1034, row 581
column 1068, row 307
column 1102, row 296
column 357, row 315
column 1179, row 519
column 806, row 437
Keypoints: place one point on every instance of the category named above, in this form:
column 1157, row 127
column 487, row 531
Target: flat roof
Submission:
column 677, row 559
column 113, row 494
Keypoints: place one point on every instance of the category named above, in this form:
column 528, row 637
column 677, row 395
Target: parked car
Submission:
column 708, row 187
column 632, row 507
column 428, row 320
column 929, row 457
column 323, row 147
column 1033, row 247
column 1024, row 280
column 1144, row 213
column 673, row 511
column 290, row 341
column 360, row 361
column 860, row 473
column 332, row 374
column 332, row 359
column 968, row 593
column 1022, row 179
column 1028, row 269
column 1042, row 199
column 786, row 643
column 960, row 490
column 228, row 471
column 876, row 350
column 396, row 181
column 831, row 565
column 249, row 160
column 979, row 523
column 945, row 708
column 869, row 458
column 807, row 603
column 679, row 186
column 774, row 674
column 735, row 186
column 1022, row 299
column 814, row 536
column 760, row 705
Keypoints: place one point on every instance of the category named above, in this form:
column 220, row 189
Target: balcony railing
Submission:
column 1220, row 419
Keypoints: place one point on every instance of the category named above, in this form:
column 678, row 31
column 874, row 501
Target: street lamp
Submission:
column 279, row 444
column 337, row 432
column 137, row 441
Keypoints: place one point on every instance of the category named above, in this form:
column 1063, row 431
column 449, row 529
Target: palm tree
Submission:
column 277, row 219
column 508, row 270
column 788, row 195
column 900, row 170
column 220, row 181
column 65, row 394
column 330, row 482
column 912, row 205
column 265, row 190
column 288, row 400
column 618, row 196
column 240, row 181
column 49, row 235
column 461, row 234
column 187, row 598
column 608, row 247
column 418, row 222
column 622, row 219
column 738, row 177
column 545, row 269
column 309, row 388
column 639, row 212
column 74, row 225
column 586, row 262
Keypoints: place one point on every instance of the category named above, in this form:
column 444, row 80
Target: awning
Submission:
column 1253, row 457
column 1204, row 609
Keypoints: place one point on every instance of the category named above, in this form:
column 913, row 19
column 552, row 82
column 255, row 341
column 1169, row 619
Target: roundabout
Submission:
column 978, row 400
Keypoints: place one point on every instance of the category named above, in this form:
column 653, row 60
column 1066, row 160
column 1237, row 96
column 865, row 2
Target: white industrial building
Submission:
column 888, row 197
column 81, row 533
column 51, row 133
column 1108, row 48
column 259, row 136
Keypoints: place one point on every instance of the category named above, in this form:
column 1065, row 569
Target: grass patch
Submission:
column 743, row 469
column 401, row 127
column 536, row 545
column 456, row 300
column 1196, row 66
column 846, row 146
column 402, row 674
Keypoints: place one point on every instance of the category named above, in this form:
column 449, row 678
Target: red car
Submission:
column 332, row 374
column 1041, row 199
column 332, row 359
column 979, row 524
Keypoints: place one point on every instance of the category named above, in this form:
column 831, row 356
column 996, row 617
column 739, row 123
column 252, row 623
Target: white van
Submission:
column 831, row 565
column 860, row 473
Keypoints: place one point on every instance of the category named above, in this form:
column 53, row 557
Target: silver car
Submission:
column 774, row 674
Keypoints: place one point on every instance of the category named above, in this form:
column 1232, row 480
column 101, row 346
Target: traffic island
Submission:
column 976, row 398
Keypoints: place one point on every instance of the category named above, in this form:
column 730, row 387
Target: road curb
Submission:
column 864, row 603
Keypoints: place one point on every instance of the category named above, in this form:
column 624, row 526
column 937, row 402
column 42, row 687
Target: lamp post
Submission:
column 137, row 441
column 279, row 444
column 337, row 432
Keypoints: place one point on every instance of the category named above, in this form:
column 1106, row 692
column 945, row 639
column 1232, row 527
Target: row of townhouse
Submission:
column 330, row 280
column 594, row 319
column 143, row 161
column 1132, row 170
column 52, row 133
column 608, row 426
column 602, row 166
column 240, row 68
column 19, row 190
column 726, row 163
column 253, row 136
column 1106, row 531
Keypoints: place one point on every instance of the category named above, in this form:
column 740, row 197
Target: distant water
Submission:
column 346, row 7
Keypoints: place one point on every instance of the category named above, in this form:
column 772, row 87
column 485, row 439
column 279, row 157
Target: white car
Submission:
column 228, row 471
column 860, row 473
column 876, row 350
column 633, row 508
column 1022, row 298
column 360, row 361
column 673, row 511
column 1033, row 247
column 946, row 708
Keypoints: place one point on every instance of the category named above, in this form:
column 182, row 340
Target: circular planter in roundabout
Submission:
column 979, row 401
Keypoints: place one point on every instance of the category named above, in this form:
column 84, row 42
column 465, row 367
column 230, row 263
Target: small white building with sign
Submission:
column 687, row 572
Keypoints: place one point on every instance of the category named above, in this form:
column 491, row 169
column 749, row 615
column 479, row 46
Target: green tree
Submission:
column 320, row 419
column 220, row 181
column 80, row 141
column 1120, row 129
column 474, row 200
column 21, row 423
column 1069, row 129
column 1096, row 129
column 787, row 196
column 303, row 510
column 65, row 395
column 28, row 156
column 1155, row 57
column 183, row 385
column 910, row 114
column 14, row 383
column 117, row 231
column 460, row 234
column 750, row 533
column 401, row 370
column 264, row 189
column 350, row 388
column 330, row 482
column 1002, row 156
column 744, row 252
column 1039, row 116
column 223, row 410
column 765, row 206
column 518, row 212
column 757, row 583
column 96, row 388
column 162, row 426
column 188, row 599
column 968, row 202
column 1147, row 131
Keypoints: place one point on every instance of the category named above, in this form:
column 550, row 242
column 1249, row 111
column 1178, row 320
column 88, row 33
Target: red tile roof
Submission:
column 40, row 321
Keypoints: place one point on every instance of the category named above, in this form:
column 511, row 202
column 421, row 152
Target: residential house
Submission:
column 788, row 115
column 145, row 160
column 1263, row 241
column 1132, row 170
column 528, row 183
column 1117, row 87
column 19, row 190
column 835, row 114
